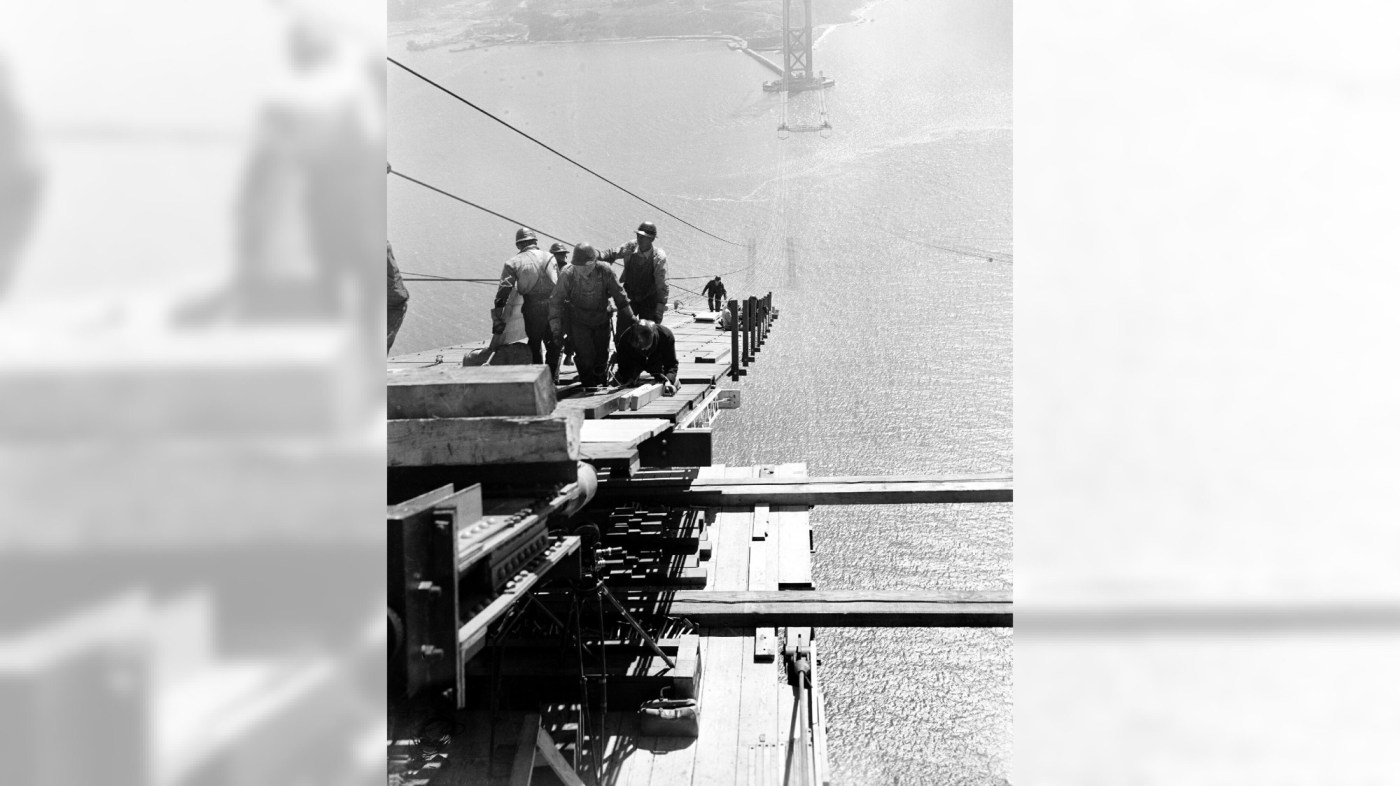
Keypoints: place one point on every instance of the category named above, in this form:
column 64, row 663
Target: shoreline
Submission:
column 464, row 40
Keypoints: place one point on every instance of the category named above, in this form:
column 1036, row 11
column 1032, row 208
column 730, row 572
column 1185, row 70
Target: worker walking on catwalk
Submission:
column 561, row 261
column 647, row 347
column 532, row 273
column 579, row 310
column 643, row 272
column 715, row 291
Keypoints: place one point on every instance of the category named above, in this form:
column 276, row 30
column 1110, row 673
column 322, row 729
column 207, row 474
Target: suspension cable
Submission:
column 561, row 155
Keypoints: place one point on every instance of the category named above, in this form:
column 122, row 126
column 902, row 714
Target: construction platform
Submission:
column 584, row 558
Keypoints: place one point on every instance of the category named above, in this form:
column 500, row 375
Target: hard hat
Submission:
column 558, row 248
column 583, row 252
column 522, row 234
column 647, row 228
column 644, row 332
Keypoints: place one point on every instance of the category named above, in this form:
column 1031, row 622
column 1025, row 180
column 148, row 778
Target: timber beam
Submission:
column 843, row 609
column 686, row 489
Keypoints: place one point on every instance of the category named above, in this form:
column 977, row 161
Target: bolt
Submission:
column 430, row 652
column 429, row 587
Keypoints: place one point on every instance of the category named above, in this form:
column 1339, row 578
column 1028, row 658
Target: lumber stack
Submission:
column 478, row 416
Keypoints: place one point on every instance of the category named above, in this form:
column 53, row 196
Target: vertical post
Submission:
column 734, row 357
column 751, row 335
column 744, row 317
column 754, row 342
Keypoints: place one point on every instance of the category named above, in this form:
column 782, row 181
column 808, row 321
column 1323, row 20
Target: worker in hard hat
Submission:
column 643, row 272
column 561, row 261
column 715, row 290
column 647, row 347
column 531, row 273
column 560, row 252
column 579, row 310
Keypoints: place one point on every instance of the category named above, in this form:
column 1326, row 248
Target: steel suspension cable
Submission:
column 630, row 193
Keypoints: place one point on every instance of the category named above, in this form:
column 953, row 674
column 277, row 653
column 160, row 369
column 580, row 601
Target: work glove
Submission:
column 498, row 321
column 668, row 388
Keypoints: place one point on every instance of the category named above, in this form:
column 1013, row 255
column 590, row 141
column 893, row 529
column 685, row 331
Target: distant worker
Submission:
column 561, row 261
column 398, row 298
column 578, row 310
column 643, row 272
column 647, row 346
column 530, row 273
column 561, row 255
column 715, row 289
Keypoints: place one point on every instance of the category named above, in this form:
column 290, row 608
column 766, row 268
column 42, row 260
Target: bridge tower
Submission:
column 797, row 53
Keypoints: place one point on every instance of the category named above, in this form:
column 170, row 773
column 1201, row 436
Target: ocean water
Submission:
column 892, row 354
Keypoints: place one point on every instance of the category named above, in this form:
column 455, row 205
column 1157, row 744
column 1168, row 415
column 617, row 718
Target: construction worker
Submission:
column 561, row 261
column 715, row 289
column 579, row 310
column 643, row 272
column 508, row 347
column 561, row 255
column 647, row 346
column 398, row 298
column 530, row 273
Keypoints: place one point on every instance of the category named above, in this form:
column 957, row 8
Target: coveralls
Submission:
column 715, row 289
column 644, row 278
column 659, row 359
column 533, row 274
column 579, row 307
column 398, row 298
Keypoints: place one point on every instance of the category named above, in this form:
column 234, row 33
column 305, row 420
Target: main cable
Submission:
column 561, row 155
column 478, row 207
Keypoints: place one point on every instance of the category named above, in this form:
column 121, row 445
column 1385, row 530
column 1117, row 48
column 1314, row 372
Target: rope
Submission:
column 561, row 155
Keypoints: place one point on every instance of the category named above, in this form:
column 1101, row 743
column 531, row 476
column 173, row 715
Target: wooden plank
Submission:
column 730, row 534
column 717, row 749
column 758, row 717
column 627, row 756
column 813, row 491
column 593, row 406
column 523, row 766
column 765, row 644
column 450, row 391
column 760, row 522
column 476, row 441
column 759, row 566
column 622, row 431
column 835, row 609
column 700, row 372
column 618, row 458
column 556, row 761
column 794, row 526
column 643, row 395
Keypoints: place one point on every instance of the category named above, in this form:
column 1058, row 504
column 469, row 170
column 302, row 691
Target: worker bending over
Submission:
column 715, row 291
column 579, row 310
column 647, row 346
column 643, row 272
column 530, row 272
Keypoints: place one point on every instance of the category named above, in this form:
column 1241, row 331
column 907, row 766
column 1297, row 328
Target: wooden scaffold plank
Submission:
column 853, row 609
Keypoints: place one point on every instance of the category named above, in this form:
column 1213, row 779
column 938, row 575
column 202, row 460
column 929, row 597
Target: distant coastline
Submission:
column 469, row 25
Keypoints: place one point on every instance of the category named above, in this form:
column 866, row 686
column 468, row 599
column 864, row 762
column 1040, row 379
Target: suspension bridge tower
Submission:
column 797, row 53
